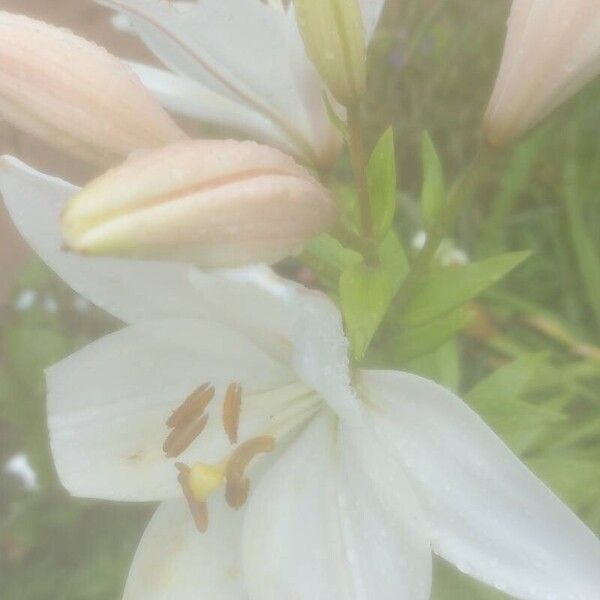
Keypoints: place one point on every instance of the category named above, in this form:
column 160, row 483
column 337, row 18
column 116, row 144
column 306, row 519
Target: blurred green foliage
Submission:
column 51, row 546
column 525, row 354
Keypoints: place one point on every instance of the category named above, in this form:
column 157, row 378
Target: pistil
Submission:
column 198, row 509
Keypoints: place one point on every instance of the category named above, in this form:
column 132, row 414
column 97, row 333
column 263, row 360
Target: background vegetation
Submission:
column 527, row 359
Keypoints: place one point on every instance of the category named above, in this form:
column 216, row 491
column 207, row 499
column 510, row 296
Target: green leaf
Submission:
column 350, row 217
column 501, row 400
column 450, row 287
column 393, row 259
column 329, row 258
column 450, row 584
column 381, row 174
column 433, row 192
column 586, row 251
column 509, row 381
column 441, row 365
column 413, row 342
column 366, row 294
column 574, row 478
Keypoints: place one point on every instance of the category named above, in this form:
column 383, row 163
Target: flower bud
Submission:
column 213, row 202
column 552, row 50
column 74, row 95
column 334, row 37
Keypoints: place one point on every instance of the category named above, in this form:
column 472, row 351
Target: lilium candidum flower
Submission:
column 217, row 202
column 552, row 50
column 229, row 397
column 240, row 64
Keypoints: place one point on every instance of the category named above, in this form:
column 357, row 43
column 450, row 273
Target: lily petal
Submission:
column 194, row 100
column 487, row 513
column 173, row 560
column 316, row 530
column 306, row 322
column 108, row 404
column 321, row 353
column 130, row 290
column 136, row 290
column 250, row 67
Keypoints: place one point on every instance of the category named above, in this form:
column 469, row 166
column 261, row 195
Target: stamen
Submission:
column 198, row 509
column 193, row 406
column 181, row 438
column 238, row 486
column 237, row 492
column 231, row 411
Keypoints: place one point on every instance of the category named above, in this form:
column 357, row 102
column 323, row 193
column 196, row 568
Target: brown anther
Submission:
column 199, row 510
column 231, row 411
column 237, row 492
column 193, row 406
column 182, row 437
column 238, row 486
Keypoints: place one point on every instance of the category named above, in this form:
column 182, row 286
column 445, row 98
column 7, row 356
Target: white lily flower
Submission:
column 359, row 483
column 240, row 64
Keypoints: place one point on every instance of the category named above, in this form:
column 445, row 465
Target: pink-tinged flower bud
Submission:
column 74, row 95
column 552, row 50
column 213, row 202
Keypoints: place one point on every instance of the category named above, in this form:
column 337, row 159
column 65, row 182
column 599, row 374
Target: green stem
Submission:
column 358, row 158
column 460, row 193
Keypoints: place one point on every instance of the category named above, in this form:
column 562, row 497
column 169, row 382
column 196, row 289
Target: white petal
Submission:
column 175, row 561
column 236, row 47
column 317, row 530
column 306, row 323
column 371, row 10
column 108, row 404
column 487, row 512
column 130, row 290
column 192, row 99
column 321, row 353
column 253, row 299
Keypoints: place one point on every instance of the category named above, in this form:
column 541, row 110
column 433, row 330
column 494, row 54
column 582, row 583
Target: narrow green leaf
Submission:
column 413, row 342
column 381, row 174
column 433, row 192
column 501, row 400
column 329, row 258
column 587, row 253
column 393, row 259
column 507, row 382
column 366, row 294
column 350, row 209
column 441, row 365
column 574, row 478
column 450, row 287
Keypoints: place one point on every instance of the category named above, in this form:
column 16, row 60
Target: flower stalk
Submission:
column 358, row 158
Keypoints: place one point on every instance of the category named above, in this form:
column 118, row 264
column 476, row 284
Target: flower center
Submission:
column 200, row 480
